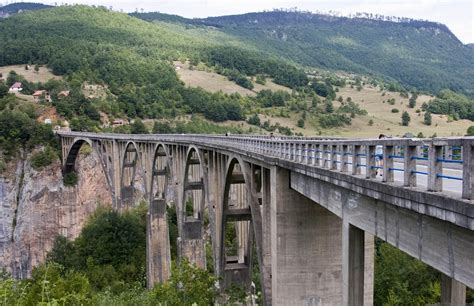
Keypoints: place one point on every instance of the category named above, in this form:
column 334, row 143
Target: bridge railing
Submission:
column 413, row 163
column 426, row 161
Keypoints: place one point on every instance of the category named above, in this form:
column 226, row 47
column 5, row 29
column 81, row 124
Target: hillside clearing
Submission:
column 214, row 82
column 43, row 75
column 385, row 121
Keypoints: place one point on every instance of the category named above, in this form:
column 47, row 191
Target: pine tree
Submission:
column 405, row 118
column 427, row 119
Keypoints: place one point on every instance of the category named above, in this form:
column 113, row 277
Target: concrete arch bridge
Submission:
column 305, row 209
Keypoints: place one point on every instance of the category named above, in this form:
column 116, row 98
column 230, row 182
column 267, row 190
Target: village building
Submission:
column 15, row 88
column 41, row 94
column 63, row 94
column 119, row 122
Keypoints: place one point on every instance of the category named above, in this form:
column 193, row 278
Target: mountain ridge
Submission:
column 416, row 53
column 14, row 8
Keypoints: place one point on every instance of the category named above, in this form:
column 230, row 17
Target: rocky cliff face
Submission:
column 35, row 207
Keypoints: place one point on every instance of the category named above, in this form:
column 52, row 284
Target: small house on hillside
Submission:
column 41, row 94
column 15, row 88
column 119, row 122
column 63, row 94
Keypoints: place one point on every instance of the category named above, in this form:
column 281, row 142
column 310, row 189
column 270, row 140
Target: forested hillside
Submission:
column 419, row 54
column 133, row 59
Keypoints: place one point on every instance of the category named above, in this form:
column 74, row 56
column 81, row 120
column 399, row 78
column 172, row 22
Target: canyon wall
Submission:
column 35, row 207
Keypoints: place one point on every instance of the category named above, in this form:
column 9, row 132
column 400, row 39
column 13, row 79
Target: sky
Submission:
column 458, row 15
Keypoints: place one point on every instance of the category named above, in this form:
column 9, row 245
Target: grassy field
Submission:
column 214, row 82
column 30, row 75
column 389, row 123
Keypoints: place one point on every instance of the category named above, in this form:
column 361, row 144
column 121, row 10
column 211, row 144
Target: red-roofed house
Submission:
column 15, row 88
column 41, row 94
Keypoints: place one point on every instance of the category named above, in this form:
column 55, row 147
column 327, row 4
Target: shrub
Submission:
column 395, row 110
column 470, row 131
column 70, row 179
column 260, row 79
column 138, row 127
column 254, row 120
column 3, row 165
column 187, row 285
column 43, row 158
column 371, row 122
column 334, row 120
column 427, row 118
column 301, row 123
column 85, row 150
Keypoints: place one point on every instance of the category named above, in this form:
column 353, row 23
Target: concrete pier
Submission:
column 306, row 247
column 158, row 244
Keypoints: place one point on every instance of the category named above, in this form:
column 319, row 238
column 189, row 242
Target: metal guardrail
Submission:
column 350, row 156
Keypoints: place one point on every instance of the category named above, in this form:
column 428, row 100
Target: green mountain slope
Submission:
column 419, row 54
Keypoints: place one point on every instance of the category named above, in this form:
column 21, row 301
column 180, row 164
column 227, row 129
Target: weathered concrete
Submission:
column 306, row 247
column 440, row 244
column 453, row 293
column 158, row 244
column 353, row 259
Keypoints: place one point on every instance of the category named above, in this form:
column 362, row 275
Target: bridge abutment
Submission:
column 306, row 247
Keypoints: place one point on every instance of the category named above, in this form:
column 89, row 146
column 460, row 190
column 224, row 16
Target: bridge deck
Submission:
column 436, row 173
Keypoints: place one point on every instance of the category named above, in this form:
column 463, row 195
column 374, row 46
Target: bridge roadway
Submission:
column 311, row 206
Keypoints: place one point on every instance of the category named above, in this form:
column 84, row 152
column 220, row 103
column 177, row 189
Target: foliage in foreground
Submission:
column 403, row 280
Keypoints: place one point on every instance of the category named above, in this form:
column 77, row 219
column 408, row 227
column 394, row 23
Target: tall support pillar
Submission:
column 306, row 247
column 453, row 292
column 369, row 269
column 353, row 257
column 266, row 237
column 158, row 244
column 116, row 179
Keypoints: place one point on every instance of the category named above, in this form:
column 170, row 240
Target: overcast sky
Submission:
column 458, row 15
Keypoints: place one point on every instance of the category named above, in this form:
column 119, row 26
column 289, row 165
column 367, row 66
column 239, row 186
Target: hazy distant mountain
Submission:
column 416, row 53
column 14, row 8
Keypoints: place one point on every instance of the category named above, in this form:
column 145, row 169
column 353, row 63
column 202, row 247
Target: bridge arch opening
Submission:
column 128, row 171
column 73, row 152
column 161, row 173
column 192, row 210
column 240, row 244
column 194, row 194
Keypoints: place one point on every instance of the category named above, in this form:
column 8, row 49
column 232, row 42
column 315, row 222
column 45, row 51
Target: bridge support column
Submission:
column 453, row 292
column 158, row 244
column 191, row 245
column 306, row 244
column 357, row 266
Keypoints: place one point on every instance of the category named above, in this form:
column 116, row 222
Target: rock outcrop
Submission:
column 35, row 207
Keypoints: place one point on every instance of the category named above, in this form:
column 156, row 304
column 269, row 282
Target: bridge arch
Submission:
column 161, row 173
column 194, row 185
column 191, row 210
column 128, row 171
column 73, row 152
column 241, row 226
